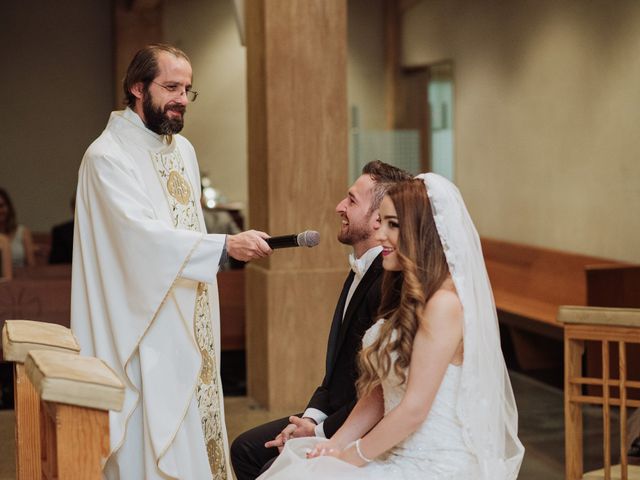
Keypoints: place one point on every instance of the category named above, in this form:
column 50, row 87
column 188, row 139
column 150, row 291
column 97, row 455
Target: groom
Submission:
column 254, row 450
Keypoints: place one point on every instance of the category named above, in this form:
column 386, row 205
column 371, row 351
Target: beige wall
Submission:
column 216, row 123
column 57, row 94
column 365, row 81
column 547, row 116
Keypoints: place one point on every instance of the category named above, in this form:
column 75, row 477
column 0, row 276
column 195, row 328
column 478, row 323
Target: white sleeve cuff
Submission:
column 316, row 415
column 320, row 430
column 203, row 264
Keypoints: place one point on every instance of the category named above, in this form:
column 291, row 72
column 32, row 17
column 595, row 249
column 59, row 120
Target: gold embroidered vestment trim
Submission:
column 182, row 207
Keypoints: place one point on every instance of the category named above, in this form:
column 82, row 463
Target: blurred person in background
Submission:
column 22, row 251
column 62, row 239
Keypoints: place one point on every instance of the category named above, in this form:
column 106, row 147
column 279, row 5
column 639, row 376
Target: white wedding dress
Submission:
column 471, row 431
column 435, row 451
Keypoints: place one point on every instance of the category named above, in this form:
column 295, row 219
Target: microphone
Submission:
column 308, row 238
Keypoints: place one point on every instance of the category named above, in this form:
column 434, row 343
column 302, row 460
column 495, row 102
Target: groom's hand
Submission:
column 282, row 437
column 305, row 427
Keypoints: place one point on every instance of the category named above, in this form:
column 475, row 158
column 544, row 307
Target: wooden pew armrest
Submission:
column 527, row 307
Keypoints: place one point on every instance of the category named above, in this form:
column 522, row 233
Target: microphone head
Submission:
column 308, row 238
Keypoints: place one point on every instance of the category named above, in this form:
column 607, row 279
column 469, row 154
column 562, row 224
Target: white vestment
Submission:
column 145, row 300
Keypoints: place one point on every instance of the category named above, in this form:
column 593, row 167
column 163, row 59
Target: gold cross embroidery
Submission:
column 178, row 187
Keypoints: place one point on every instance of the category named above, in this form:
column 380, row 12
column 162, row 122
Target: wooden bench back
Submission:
column 538, row 273
column 43, row 293
column 232, row 309
column 530, row 284
column 46, row 299
column 39, row 272
column 613, row 287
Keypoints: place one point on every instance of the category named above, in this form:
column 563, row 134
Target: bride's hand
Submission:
column 331, row 449
column 324, row 448
column 351, row 456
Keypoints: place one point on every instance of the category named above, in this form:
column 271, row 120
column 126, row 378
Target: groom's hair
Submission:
column 384, row 176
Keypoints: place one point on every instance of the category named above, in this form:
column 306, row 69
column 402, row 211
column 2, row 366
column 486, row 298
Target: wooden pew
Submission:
column 43, row 293
column 612, row 287
column 38, row 272
column 232, row 309
column 46, row 299
column 41, row 247
column 615, row 286
column 530, row 284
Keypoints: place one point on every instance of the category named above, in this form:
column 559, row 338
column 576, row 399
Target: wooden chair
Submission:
column 76, row 395
column 608, row 326
column 18, row 338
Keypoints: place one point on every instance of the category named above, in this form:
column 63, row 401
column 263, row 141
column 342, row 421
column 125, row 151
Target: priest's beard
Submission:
column 156, row 117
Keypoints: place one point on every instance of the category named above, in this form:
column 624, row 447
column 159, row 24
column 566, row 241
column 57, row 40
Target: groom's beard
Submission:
column 357, row 231
column 156, row 117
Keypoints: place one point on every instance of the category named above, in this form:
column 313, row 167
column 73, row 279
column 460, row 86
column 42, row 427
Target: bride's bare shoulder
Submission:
column 443, row 306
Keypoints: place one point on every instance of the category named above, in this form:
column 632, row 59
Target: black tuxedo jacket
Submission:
column 337, row 395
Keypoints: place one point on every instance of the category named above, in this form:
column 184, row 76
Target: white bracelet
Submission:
column 359, row 452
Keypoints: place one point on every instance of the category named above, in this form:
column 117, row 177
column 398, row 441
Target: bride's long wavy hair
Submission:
column 423, row 270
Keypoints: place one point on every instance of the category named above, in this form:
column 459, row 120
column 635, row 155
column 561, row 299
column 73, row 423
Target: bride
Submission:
column 435, row 400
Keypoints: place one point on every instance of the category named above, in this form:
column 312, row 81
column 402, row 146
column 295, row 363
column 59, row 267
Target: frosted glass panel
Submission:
column 442, row 153
column 441, row 107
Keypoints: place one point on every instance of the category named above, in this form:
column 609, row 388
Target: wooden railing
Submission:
column 614, row 388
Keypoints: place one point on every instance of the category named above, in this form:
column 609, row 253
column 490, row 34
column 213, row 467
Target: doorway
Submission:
column 426, row 104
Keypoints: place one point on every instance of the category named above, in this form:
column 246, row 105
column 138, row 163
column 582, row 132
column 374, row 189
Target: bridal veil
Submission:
column 486, row 405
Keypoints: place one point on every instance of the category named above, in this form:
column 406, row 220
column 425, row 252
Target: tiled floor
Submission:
column 541, row 429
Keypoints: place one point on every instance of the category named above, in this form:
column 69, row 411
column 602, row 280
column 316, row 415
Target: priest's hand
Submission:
column 248, row 245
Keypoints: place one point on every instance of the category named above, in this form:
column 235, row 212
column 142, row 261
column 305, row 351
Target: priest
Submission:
column 144, row 293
